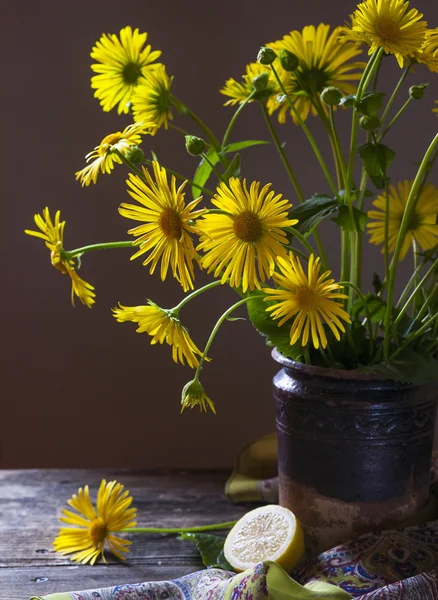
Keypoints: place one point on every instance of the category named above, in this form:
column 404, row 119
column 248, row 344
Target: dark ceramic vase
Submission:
column 354, row 451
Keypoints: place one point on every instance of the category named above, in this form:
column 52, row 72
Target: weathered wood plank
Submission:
column 32, row 500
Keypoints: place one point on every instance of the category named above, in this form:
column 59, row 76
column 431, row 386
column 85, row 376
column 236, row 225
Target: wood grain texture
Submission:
column 32, row 500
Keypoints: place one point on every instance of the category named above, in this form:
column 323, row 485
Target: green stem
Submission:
column 69, row 254
column 410, row 205
column 418, row 287
column 213, row 527
column 282, row 154
column 394, row 93
column 367, row 313
column 214, row 332
column 130, row 164
column 189, row 181
column 178, row 129
column 193, row 295
column 337, row 148
column 427, row 303
column 301, row 238
column 386, row 240
column 235, row 116
column 414, row 335
column 308, row 134
column 218, row 174
column 207, row 131
column 395, row 119
column 410, row 283
column 359, row 234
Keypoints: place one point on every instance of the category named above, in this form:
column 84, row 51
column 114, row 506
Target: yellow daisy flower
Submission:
column 121, row 63
column 162, row 326
column 324, row 60
column 238, row 92
column 52, row 232
column 248, row 235
column 429, row 51
column 103, row 158
column 193, row 394
column 151, row 99
column 423, row 227
column 307, row 299
column 167, row 224
column 96, row 525
column 388, row 24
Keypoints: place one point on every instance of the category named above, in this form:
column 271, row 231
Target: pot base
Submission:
column 328, row 522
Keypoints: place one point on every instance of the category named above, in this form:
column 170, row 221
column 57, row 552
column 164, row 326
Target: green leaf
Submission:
column 234, row 168
column 241, row 145
column 211, row 549
column 343, row 218
column 376, row 307
column 408, row 367
column 203, row 171
column 154, row 156
column 376, row 159
column 311, row 212
column 276, row 336
column 348, row 100
column 371, row 102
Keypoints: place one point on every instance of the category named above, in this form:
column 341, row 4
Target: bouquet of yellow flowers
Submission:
column 252, row 238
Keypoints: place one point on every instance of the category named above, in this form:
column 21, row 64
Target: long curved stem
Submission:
column 200, row 528
column 69, row 254
column 394, row 93
column 214, row 332
column 282, row 154
column 193, row 295
column 308, row 134
column 367, row 313
column 234, row 118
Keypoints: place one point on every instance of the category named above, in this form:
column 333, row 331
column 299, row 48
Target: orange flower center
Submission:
column 387, row 29
column 170, row 223
column 97, row 531
column 247, row 227
column 306, row 299
column 109, row 141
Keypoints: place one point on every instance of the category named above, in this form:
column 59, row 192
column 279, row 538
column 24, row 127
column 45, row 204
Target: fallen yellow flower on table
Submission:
column 96, row 525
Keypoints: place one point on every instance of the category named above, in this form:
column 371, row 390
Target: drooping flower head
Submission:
column 96, row 525
column 193, row 395
column 242, row 243
column 52, row 232
column 162, row 326
column 324, row 60
column 423, row 227
column 429, row 51
column 238, row 91
column 388, row 24
column 103, row 158
column 166, row 229
column 121, row 63
column 308, row 300
column 151, row 98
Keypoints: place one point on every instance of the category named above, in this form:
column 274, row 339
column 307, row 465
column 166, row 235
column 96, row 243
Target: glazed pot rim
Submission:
column 331, row 373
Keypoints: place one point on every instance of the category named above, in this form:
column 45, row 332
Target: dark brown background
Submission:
column 79, row 389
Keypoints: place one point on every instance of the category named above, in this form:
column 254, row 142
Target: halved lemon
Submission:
column 267, row 533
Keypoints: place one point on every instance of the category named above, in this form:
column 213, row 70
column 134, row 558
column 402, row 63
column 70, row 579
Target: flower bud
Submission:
column 416, row 92
column 260, row 82
column 289, row 61
column 194, row 145
column 369, row 123
column 193, row 394
column 135, row 155
column 266, row 56
column 331, row 96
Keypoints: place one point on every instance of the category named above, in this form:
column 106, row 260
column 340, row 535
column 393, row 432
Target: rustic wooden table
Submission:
column 31, row 501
